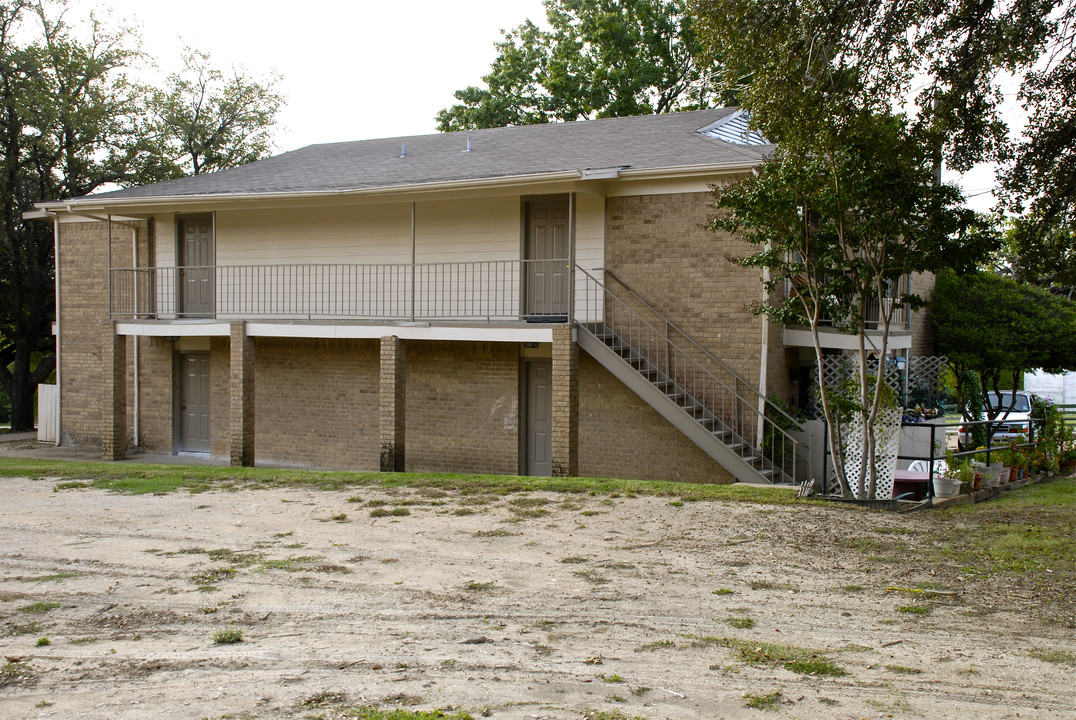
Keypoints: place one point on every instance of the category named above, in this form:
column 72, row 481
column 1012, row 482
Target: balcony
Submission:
column 872, row 322
column 481, row 291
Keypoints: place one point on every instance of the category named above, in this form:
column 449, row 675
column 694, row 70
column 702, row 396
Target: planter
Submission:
column 1014, row 474
column 943, row 487
column 998, row 471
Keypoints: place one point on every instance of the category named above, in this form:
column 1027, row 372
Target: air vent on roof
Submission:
column 733, row 129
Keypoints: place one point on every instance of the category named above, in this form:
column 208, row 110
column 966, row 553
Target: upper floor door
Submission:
column 546, row 253
column 197, row 257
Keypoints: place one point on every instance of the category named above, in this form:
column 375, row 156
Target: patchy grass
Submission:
column 475, row 586
column 769, row 701
column 389, row 512
column 369, row 712
column 915, row 609
column 903, row 670
column 293, row 563
column 39, row 608
column 496, row 532
column 723, row 591
column 142, row 478
column 228, row 635
column 54, row 577
column 740, row 623
column 799, row 660
column 1061, row 657
column 12, row 673
column 212, row 575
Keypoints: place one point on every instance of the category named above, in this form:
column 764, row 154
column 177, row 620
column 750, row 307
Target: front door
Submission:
column 196, row 256
column 547, row 254
column 538, row 426
column 194, row 391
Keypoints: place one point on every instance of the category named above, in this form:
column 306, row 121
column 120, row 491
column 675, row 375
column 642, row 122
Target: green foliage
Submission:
column 1040, row 181
column 601, row 58
column 228, row 635
column 204, row 121
column 992, row 328
column 74, row 123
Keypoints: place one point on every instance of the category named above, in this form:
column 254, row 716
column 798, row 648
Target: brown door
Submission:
column 538, row 425
column 194, row 391
column 546, row 252
column 197, row 257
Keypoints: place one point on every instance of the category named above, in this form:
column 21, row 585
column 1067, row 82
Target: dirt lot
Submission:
column 516, row 606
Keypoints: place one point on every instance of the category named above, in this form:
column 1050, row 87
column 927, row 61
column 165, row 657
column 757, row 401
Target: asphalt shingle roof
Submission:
column 640, row 143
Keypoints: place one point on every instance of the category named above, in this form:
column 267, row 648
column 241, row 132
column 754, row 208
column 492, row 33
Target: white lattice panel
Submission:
column 887, row 434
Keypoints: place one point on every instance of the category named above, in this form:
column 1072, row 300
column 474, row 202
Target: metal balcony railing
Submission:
column 871, row 313
column 482, row 290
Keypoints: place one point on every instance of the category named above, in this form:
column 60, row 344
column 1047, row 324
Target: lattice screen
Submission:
column 887, row 434
column 925, row 377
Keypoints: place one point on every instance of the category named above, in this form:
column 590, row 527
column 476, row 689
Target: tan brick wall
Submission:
column 660, row 247
column 462, row 407
column 220, row 368
column 82, row 308
column 156, row 396
column 316, row 402
column 621, row 436
column 565, row 389
column 923, row 340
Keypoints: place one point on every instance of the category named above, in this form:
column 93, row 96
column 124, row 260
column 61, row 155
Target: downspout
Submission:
column 571, row 261
column 137, row 342
column 413, row 260
column 763, row 371
column 56, row 282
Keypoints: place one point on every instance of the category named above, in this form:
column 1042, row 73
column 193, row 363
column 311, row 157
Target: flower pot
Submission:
column 1014, row 474
column 943, row 487
column 998, row 471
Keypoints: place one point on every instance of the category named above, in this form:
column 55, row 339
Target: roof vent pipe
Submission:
column 468, row 145
column 403, row 150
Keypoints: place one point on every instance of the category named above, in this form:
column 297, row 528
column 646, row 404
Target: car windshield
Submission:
column 1002, row 402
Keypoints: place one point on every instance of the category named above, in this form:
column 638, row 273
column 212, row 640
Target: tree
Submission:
column 992, row 328
column 204, row 121
column 832, row 85
column 71, row 123
column 841, row 229
column 1040, row 181
column 602, row 58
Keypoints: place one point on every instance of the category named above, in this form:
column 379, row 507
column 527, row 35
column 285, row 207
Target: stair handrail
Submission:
column 766, row 421
column 724, row 366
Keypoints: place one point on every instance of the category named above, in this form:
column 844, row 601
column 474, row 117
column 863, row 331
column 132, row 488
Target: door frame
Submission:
column 181, row 261
column 177, row 400
column 525, row 202
column 525, row 364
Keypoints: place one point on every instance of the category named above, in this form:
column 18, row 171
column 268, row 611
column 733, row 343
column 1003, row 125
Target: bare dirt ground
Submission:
column 520, row 606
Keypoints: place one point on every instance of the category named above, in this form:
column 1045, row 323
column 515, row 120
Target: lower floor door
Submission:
column 538, row 421
column 194, row 392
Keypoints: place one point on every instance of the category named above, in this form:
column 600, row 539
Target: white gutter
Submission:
column 478, row 183
column 137, row 404
column 56, row 282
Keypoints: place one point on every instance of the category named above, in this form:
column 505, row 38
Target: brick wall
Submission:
column 922, row 325
column 83, row 307
column 462, row 407
column 621, row 436
column 156, row 394
column 660, row 247
column 316, row 403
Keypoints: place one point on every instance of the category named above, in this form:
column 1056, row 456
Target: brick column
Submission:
column 113, row 394
column 392, row 416
column 241, row 397
column 565, row 402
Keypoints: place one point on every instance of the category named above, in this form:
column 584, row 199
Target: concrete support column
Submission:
column 114, row 394
column 392, row 416
column 241, row 410
column 565, row 402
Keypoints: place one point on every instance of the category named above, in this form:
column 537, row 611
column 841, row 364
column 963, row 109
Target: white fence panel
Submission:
column 48, row 413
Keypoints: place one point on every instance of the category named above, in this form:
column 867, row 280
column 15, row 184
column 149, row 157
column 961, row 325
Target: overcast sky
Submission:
column 353, row 70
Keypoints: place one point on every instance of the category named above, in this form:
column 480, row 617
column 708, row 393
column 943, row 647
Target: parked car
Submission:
column 1013, row 417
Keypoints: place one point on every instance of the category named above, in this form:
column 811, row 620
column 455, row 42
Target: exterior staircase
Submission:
column 723, row 414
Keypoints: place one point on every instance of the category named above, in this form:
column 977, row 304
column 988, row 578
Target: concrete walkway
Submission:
column 25, row 445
